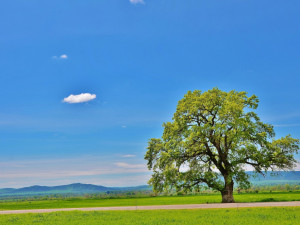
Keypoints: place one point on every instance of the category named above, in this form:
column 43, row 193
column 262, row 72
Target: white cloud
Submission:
column 124, row 126
column 128, row 156
column 184, row 168
column 137, row 2
column 83, row 97
column 96, row 169
column 63, row 56
column 130, row 166
column 297, row 166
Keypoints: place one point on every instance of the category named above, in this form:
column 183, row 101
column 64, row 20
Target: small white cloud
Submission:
column 130, row 166
column 137, row 2
column 124, row 126
column 63, row 56
column 128, row 156
column 184, row 168
column 83, row 97
column 297, row 166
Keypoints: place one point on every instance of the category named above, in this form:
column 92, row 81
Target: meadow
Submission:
column 160, row 200
column 272, row 215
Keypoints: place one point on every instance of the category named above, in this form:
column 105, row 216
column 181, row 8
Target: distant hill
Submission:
column 76, row 188
column 292, row 177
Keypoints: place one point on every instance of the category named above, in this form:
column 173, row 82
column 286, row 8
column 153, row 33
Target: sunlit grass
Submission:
column 172, row 200
column 282, row 215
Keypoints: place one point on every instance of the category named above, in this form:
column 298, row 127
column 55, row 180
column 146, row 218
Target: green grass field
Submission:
column 172, row 200
column 244, row 216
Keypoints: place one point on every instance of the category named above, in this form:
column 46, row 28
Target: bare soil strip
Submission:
column 154, row 207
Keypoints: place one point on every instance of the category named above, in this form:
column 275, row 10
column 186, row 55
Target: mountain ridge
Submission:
column 292, row 177
column 74, row 188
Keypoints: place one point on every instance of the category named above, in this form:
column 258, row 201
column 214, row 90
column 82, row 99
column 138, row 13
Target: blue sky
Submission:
column 139, row 58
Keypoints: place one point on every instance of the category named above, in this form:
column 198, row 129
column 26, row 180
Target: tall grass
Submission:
column 244, row 216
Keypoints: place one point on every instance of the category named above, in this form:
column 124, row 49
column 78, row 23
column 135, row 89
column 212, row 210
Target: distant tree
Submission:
column 213, row 137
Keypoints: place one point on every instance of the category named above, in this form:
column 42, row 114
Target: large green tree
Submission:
column 213, row 138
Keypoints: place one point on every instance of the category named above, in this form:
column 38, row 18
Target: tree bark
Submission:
column 227, row 193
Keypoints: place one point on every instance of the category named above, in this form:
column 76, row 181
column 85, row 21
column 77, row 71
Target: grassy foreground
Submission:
column 282, row 215
column 172, row 200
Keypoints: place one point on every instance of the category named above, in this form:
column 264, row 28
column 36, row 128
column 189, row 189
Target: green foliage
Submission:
column 244, row 216
column 212, row 137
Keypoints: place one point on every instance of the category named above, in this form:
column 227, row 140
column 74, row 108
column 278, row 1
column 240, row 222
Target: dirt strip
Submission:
column 154, row 207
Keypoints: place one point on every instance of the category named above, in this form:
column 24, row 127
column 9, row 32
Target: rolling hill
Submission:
column 292, row 177
column 76, row 188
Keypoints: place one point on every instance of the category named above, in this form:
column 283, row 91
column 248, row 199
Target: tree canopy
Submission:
column 213, row 137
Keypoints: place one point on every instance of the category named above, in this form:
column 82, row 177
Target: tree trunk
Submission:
column 227, row 193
